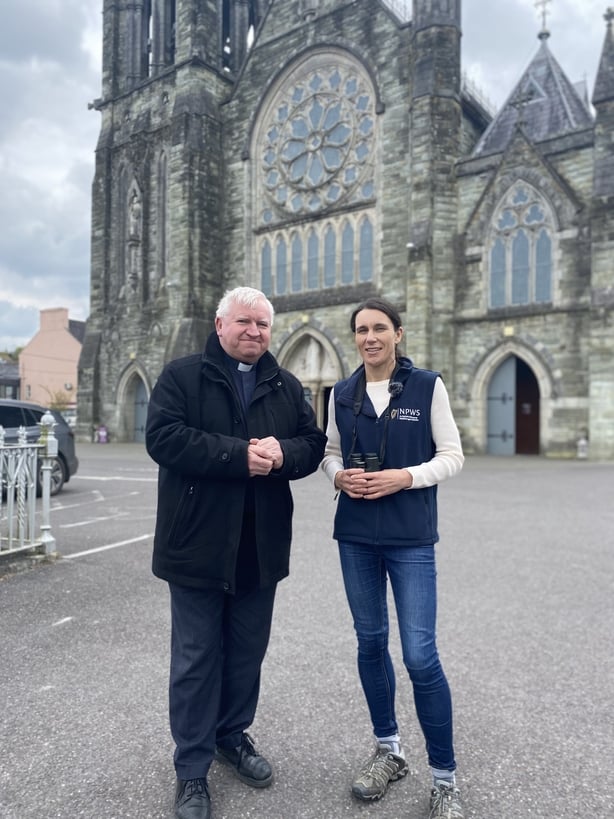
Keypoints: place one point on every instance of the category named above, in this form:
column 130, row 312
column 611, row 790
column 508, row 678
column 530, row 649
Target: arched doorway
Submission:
column 513, row 409
column 133, row 401
column 313, row 360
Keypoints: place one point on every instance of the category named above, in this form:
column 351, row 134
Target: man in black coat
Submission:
column 229, row 429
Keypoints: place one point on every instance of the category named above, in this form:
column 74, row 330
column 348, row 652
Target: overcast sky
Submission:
column 50, row 64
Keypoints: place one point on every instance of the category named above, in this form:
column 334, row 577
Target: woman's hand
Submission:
column 372, row 485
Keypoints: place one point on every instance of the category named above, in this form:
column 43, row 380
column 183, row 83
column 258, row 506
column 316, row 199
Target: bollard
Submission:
column 49, row 445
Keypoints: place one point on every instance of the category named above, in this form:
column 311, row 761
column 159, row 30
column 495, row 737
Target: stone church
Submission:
column 328, row 150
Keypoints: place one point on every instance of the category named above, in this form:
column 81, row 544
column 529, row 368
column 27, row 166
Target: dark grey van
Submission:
column 15, row 414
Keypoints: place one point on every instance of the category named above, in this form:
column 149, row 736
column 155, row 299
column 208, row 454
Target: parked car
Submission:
column 15, row 414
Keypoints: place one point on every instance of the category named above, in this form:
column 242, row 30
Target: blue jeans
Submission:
column 413, row 579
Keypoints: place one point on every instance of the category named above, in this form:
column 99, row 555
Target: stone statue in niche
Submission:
column 135, row 226
column 134, row 216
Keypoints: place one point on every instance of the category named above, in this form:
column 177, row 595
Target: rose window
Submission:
column 318, row 145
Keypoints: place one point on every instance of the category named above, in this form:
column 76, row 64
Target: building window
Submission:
column 330, row 257
column 281, row 267
column 266, row 269
column 365, row 251
column 313, row 175
column 313, row 261
column 297, row 264
column 347, row 255
column 322, row 256
column 521, row 249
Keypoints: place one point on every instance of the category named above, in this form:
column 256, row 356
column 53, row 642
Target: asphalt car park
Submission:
column 525, row 568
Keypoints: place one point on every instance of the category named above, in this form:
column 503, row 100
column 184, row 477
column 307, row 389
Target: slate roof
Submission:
column 77, row 329
column 544, row 103
column 9, row 372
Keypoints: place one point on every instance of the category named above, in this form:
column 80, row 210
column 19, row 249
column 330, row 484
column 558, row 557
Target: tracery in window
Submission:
column 318, row 141
column 521, row 245
column 329, row 254
column 314, row 156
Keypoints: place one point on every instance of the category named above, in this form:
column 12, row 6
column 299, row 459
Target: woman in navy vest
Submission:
column 391, row 439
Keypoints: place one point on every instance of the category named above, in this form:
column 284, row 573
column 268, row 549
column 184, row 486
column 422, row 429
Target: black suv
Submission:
column 15, row 414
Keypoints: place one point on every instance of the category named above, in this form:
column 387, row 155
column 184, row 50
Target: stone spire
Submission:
column 604, row 84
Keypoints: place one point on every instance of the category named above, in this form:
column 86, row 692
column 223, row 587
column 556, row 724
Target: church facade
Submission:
column 325, row 151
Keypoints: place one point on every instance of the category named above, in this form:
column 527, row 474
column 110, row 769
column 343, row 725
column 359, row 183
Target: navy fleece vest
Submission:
column 402, row 436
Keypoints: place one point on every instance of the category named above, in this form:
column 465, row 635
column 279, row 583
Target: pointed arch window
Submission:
column 266, row 268
column 365, row 273
column 314, row 175
column 330, row 257
column 520, row 256
column 313, row 262
column 520, row 268
column 347, row 254
column 297, row 264
column 281, row 266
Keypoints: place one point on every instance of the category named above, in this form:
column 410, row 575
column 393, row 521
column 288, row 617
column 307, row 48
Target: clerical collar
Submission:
column 244, row 368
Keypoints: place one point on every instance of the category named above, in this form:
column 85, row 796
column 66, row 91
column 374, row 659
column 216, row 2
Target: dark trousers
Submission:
column 218, row 643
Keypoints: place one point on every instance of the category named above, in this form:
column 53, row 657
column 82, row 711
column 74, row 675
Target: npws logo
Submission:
column 406, row 414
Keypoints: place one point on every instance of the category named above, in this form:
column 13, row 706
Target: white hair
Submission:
column 247, row 296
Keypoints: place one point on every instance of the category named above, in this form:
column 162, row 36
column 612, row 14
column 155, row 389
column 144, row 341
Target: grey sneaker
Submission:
column 446, row 802
column 375, row 775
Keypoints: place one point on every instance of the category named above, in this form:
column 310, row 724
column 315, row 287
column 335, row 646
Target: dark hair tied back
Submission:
column 383, row 306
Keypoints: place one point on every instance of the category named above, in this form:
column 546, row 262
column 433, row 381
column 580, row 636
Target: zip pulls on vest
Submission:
column 372, row 461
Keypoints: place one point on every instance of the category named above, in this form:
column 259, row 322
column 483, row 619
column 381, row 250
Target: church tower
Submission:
column 156, row 225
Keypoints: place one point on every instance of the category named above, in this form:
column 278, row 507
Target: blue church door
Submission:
column 513, row 410
column 502, row 409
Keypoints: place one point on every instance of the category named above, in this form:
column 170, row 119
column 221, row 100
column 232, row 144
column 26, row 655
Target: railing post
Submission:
column 49, row 445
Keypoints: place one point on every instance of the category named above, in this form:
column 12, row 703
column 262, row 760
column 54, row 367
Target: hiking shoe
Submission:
column 375, row 775
column 246, row 762
column 445, row 801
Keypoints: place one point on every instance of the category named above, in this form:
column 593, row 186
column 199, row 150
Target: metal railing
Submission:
column 20, row 466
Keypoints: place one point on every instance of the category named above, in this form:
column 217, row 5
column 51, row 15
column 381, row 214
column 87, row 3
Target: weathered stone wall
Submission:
column 433, row 210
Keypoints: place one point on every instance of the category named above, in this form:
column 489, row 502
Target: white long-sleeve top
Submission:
column 445, row 463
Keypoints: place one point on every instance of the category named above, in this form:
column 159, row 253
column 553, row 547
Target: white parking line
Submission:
column 98, row 498
column 111, row 478
column 62, row 621
column 94, row 520
column 104, row 548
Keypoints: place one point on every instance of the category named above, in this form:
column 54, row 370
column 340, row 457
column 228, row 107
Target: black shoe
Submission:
column 192, row 799
column 246, row 763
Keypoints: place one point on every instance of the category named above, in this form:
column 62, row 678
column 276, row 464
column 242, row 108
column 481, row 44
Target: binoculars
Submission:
column 369, row 461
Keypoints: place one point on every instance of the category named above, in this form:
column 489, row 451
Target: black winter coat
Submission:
column 198, row 434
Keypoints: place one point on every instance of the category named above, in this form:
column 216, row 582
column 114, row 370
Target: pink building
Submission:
column 48, row 363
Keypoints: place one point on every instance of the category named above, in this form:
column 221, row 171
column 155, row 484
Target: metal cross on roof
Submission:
column 543, row 5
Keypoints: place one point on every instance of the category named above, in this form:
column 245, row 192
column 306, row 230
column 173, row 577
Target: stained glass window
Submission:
column 313, row 252
column 314, row 155
column 520, row 257
column 347, row 254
